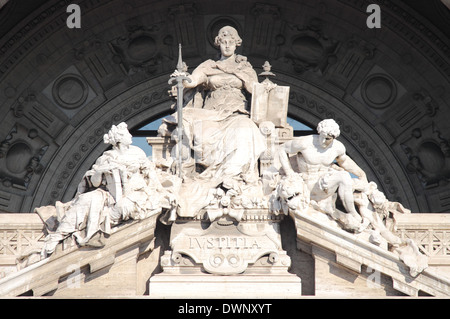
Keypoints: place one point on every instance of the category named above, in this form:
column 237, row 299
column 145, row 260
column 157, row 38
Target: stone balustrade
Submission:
column 18, row 233
column 431, row 233
column 119, row 268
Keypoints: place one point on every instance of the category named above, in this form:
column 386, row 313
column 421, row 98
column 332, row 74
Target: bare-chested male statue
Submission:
column 317, row 156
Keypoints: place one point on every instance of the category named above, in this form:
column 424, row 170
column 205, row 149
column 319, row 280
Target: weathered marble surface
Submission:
column 228, row 183
column 123, row 184
column 215, row 187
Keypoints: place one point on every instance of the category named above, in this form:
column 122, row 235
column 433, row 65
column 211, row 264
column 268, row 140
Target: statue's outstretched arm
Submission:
column 197, row 77
column 350, row 166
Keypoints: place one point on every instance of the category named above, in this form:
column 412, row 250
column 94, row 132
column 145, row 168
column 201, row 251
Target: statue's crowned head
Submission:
column 118, row 135
column 228, row 32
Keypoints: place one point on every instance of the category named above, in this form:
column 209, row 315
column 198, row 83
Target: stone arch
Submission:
column 61, row 89
column 149, row 101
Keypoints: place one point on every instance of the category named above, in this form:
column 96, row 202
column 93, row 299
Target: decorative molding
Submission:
column 70, row 91
column 20, row 155
column 139, row 50
column 268, row 30
column 310, row 48
column 378, row 91
column 17, row 38
column 355, row 51
column 428, row 154
column 413, row 30
column 51, row 19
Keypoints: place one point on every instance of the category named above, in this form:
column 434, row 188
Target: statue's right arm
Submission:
column 289, row 147
column 197, row 77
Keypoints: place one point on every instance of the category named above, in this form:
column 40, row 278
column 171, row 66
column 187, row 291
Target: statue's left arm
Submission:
column 348, row 164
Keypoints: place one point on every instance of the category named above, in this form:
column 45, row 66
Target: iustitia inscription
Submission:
column 227, row 248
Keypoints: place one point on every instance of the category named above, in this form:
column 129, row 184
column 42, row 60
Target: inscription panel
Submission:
column 226, row 249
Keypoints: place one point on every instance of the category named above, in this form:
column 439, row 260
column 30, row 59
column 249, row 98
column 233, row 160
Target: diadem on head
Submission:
column 329, row 127
column 115, row 134
column 228, row 32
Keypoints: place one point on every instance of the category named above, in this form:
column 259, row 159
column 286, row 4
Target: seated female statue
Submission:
column 226, row 143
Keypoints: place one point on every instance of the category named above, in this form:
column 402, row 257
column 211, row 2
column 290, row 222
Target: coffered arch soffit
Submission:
column 61, row 89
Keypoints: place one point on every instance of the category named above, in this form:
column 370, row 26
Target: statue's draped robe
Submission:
column 136, row 197
column 224, row 138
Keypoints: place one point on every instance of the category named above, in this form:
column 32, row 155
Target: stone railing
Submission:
column 18, row 232
column 431, row 233
column 357, row 254
column 113, row 270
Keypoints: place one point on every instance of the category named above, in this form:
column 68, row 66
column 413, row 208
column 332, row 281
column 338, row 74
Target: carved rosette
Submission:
column 20, row 157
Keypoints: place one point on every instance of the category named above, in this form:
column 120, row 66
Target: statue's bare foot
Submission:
column 365, row 223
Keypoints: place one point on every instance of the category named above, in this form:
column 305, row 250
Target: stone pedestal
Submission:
column 161, row 147
column 210, row 286
column 226, row 258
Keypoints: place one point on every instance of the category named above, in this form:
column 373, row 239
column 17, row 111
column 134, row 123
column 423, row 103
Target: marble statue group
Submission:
column 220, row 176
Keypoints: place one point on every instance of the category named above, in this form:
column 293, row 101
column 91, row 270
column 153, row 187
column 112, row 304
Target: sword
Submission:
column 178, row 77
